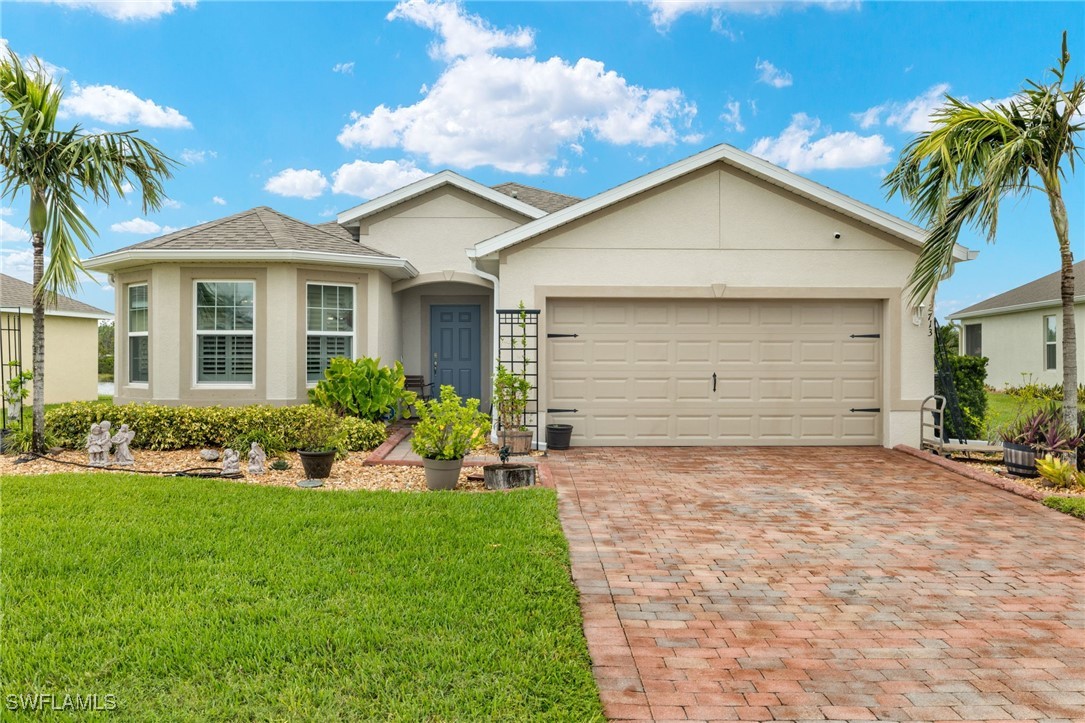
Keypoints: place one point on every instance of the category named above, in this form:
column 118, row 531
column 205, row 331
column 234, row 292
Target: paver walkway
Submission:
column 813, row 584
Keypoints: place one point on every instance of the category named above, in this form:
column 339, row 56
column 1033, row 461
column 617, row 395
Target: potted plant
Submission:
column 511, row 392
column 318, row 443
column 1040, row 432
column 447, row 430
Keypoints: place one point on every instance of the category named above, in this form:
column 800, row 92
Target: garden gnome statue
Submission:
column 257, row 457
column 97, row 446
column 106, row 441
column 231, row 462
column 122, row 455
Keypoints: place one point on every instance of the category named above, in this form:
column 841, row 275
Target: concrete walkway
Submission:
column 820, row 584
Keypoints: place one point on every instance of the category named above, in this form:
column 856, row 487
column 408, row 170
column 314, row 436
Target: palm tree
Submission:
column 978, row 154
column 59, row 169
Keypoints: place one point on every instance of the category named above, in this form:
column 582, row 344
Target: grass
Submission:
column 1070, row 505
column 204, row 600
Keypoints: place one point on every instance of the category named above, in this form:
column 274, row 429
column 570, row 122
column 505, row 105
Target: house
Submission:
column 1019, row 331
column 71, row 341
column 717, row 300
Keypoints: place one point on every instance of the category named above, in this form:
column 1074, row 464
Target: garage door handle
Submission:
column 865, row 409
column 713, row 381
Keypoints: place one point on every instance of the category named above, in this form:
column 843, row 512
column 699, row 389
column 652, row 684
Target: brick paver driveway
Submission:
column 841, row 584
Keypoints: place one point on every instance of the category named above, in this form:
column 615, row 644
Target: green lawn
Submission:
column 1070, row 505
column 204, row 600
column 1002, row 408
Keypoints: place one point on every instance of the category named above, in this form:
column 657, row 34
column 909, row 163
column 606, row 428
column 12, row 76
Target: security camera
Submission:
column 836, row 235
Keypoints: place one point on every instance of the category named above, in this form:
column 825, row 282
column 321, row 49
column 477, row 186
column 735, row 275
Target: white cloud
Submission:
column 344, row 68
column 461, row 35
column 369, row 180
column 732, row 116
column 769, row 74
column 129, row 9
column 118, row 106
column 171, row 203
column 9, row 233
column 141, row 226
column 191, row 156
column 218, row 200
column 665, row 12
column 34, row 64
column 297, row 183
column 797, row 150
column 127, row 187
column 911, row 116
column 514, row 113
column 18, row 263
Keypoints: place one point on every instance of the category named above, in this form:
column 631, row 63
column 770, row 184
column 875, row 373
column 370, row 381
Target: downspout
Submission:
column 495, row 341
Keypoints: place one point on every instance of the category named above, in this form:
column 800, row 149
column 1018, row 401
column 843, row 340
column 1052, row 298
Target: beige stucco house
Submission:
column 717, row 300
column 71, row 341
column 1020, row 331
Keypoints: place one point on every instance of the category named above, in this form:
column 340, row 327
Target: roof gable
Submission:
column 1044, row 291
column 731, row 156
column 437, row 180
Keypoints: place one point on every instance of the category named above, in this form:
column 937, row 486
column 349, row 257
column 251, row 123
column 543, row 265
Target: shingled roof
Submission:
column 1042, row 291
column 16, row 293
column 255, row 229
column 543, row 200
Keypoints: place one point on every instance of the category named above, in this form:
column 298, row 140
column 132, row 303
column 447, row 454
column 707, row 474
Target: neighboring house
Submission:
column 71, row 341
column 1020, row 331
column 717, row 300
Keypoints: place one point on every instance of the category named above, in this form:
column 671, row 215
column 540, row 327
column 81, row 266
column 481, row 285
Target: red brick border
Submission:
column 395, row 436
column 971, row 473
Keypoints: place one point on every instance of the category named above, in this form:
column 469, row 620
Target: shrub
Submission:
column 1043, row 430
column 447, row 428
column 969, row 376
column 20, row 439
column 164, row 428
column 1035, row 391
column 361, row 434
column 511, row 391
column 105, row 364
column 270, row 440
column 1059, row 473
column 363, row 388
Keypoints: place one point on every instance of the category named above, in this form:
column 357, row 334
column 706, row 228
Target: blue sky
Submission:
column 313, row 107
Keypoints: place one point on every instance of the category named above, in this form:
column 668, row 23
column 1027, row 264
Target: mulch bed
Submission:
column 992, row 464
column 347, row 474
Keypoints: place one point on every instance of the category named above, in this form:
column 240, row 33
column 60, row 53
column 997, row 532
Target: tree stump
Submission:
column 508, row 476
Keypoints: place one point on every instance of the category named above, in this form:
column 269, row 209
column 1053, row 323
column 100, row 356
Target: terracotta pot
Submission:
column 518, row 442
column 442, row 474
column 317, row 465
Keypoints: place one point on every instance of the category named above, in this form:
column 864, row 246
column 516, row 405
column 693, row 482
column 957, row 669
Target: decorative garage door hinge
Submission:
column 865, row 409
column 561, row 336
column 865, row 336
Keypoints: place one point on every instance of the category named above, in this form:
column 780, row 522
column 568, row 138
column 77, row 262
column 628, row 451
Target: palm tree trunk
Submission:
column 1069, row 327
column 38, row 435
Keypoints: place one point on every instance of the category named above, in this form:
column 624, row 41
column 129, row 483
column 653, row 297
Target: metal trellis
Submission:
column 518, row 351
column 11, row 357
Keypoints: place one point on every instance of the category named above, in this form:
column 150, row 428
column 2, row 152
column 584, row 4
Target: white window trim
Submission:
column 196, row 333
column 1051, row 343
column 128, row 328
column 353, row 332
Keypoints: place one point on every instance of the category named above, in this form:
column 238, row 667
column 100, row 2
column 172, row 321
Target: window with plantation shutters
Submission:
column 329, row 314
column 224, row 332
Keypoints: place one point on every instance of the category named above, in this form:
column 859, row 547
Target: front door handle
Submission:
column 713, row 381
column 434, row 365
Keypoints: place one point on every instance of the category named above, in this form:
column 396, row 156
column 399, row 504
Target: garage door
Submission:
column 697, row 372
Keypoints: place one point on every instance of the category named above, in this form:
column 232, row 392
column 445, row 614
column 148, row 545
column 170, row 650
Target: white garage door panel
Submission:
column 640, row 371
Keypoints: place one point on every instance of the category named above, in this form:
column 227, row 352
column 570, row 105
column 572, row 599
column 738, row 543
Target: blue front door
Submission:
column 455, row 343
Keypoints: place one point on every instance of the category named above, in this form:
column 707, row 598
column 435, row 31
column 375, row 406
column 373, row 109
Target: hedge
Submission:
column 166, row 428
column 969, row 379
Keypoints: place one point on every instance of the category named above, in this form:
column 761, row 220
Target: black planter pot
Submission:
column 317, row 465
column 558, row 435
column 1020, row 459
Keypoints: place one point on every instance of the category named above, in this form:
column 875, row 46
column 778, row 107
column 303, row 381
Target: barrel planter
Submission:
column 558, row 436
column 1020, row 459
column 518, row 441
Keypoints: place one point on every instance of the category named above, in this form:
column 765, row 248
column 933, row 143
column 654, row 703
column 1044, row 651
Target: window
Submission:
column 138, row 343
column 329, row 313
column 973, row 340
column 224, row 332
column 1051, row 346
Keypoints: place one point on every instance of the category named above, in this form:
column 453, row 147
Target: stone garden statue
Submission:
column 257, row 458
column 97, row 446
column 231, row 462
column 122, row 455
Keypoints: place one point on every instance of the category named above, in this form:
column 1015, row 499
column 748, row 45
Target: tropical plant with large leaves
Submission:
column 57, row 171
column 974, row 157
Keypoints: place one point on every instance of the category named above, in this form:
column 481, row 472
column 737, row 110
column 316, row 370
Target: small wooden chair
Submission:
column 417, row 383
